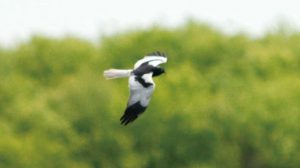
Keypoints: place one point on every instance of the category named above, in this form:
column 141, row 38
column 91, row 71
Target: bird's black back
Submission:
column 146, row 68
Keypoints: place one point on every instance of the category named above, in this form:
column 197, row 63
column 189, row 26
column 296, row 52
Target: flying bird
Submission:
column 141, row 84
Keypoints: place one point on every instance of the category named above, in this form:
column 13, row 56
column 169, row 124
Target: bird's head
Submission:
column 158, row 71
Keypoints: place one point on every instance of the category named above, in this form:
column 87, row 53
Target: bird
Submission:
column 140, row 82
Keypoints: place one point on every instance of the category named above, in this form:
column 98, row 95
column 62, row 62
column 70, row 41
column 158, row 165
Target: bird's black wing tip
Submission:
column 131, row 113
column 126, row 119
column 157, row 53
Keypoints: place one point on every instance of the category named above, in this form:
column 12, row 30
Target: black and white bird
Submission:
column 141, row 84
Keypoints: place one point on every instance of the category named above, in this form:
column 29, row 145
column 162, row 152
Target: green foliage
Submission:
column 225, row 101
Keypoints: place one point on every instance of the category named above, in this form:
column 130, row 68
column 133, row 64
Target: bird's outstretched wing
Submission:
column 138, row 101
column 153, row 59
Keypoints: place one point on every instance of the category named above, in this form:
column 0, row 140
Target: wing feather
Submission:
column 138, row 101
column 154, row 60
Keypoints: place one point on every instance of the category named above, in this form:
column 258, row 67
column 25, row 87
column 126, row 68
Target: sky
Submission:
column 89, row 19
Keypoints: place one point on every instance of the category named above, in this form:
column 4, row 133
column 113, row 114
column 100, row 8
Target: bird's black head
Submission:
column 158, row 71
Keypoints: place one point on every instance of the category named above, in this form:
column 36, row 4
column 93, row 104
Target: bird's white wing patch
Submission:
column 153, row 60
column 138, row 93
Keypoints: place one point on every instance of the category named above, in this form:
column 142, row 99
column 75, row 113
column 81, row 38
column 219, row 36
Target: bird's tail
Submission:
column 116, row 73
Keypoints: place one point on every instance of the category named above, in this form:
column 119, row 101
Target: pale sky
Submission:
column 19, row 19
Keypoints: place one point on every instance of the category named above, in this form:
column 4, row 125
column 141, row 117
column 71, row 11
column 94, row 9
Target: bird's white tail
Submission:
column 116, row 73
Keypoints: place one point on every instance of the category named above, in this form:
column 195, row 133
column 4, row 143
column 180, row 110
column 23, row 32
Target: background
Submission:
column 230, row 97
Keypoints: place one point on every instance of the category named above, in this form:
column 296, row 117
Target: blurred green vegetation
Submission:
column 226, row 101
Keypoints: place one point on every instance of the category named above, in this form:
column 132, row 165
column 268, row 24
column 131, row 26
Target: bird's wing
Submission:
column 139, row 98
column 153, row 59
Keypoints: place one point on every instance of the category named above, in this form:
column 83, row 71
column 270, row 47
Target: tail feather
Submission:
column 116, row 73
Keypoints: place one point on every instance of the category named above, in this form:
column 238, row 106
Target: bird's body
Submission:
column 141, row 84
